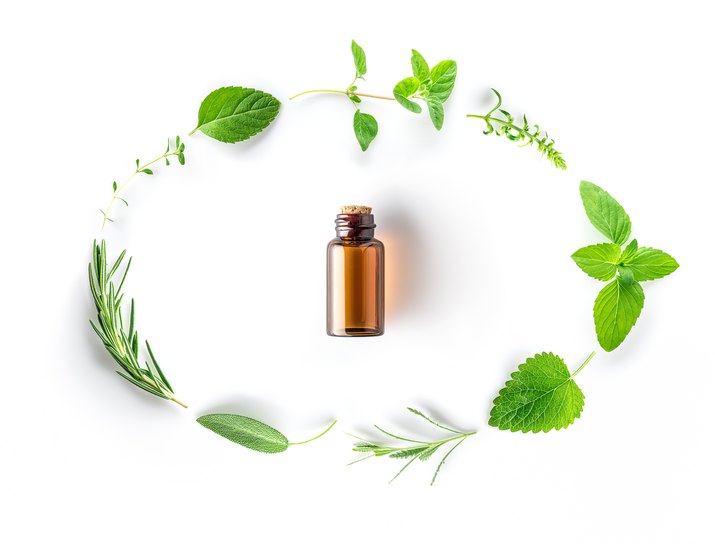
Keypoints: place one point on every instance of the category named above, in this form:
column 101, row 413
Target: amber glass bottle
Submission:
column 356, row 276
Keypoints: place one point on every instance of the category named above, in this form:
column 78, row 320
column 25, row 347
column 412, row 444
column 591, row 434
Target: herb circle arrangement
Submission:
column 541, row 394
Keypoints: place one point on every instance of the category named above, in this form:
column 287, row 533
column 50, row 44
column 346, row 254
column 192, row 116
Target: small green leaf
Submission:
column 605, row 213
column 359, row 59
column 626, row 275
column 443, row 76
column 436, row 111
column 405, row 89
column 114, row 186
column 355, row 99
column 629, row 251
column 616, row 310
column 234, row 114
column 412, row 452
column 420, row 68
column 182, row 159
column 540, row 396
column 167, row 161
column 598, row 261
column 365, row 127
column 137, row 164
column 648, row 263
column 246, row 431
column 147, row 171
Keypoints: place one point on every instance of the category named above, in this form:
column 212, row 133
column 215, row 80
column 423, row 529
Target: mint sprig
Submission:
column 620, row 303
column 431, row 86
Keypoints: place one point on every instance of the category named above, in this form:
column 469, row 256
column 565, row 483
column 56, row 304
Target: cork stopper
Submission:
column 355, row 209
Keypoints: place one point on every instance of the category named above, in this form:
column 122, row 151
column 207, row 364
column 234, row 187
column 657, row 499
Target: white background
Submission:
column 228, row 272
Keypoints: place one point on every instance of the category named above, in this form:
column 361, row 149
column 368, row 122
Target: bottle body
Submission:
column 356, row 279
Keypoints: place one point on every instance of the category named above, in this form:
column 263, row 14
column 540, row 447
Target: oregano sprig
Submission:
column 433, row 86
column 530, row 135
column 139, row 168
column 411, row 449
column 122, row 342
column 619, row 304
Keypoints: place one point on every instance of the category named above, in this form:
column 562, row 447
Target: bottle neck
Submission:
column 355, row 226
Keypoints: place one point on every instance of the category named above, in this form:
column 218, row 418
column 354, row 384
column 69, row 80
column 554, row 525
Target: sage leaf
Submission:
column 405, row 89
column 648, row 263
column 616, row 310
column 598, row 261
column 246, row 431
column 443, row 76
column 234, row 114
column 359, row 59
column 436, row 111
column 605, row 213
column 540, row 396
column 420, row 68
column 365, row 127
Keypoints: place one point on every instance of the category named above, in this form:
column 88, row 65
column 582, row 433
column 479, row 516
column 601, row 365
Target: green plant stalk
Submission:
column 315, row 437
column 347, row 92
column 583, row 365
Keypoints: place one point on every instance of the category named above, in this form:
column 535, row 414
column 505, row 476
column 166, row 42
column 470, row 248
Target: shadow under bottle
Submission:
column 356, row 276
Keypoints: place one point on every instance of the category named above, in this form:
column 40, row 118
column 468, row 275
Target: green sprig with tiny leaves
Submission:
column 139, row 168
column 433, row 86
column 411, row 449
column 525, row 132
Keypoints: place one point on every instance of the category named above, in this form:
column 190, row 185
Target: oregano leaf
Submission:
column 234, row 114
column 436, row 111
column 616, row 310
column 605, row 213
column 365, row 127
column 405, row 89
column 540, row 396
column 246, row 431
column 420, row 68
column 359, row 59
column 443, row 76
column 598, row 261
column 647, row 263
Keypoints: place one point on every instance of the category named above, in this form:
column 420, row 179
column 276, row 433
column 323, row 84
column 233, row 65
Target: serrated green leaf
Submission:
column 365, row 127
column 443, row 76
column 234, row 114
column 420, row 68
column 246, row 431
column 648, row 263
column 605, row 213
column 626, row 275
column 540, row 396
column 359, row 59
column 598, row 261
column 616, row 310
column 436, row 111
column 629, row 250
column 403, row 90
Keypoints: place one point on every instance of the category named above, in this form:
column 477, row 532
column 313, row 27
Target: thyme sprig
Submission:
column 122, row 345
column 526, row 133
column 178, row 151
column 416, row 449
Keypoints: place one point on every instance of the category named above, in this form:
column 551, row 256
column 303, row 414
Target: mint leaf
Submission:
column 234, row 114
column 436, row 111
column 405, row 89
column 648, row 263
column 617, row 308
column 629, row 250
column 420, row 68
column 540, row 396
column 246, row 431
column 359, row 59
column 626, row 275
column 598, row 261
column 365, row 127
column 443, row 76
column 607, row 215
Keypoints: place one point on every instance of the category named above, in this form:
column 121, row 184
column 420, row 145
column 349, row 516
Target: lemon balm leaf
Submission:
column 605, row 213
column 599, row 261
column 616, row 310
column 648, row 263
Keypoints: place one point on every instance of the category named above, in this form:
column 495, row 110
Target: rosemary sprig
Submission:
column 416, row 449
column 143, row 169
column 515, row 133
column 122, row 345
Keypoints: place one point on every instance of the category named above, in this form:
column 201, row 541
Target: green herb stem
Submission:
column 346, row 93
column 588, row 359
column 315, row 437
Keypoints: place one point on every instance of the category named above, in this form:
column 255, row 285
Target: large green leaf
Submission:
column 648, row 263
column 234, row 114
column 540, row 396
column 403, row 90
column 607, row 215
column 616, row 310
column 443, row 76
column 436, row 111
column 359, row 59
column 365, row 127
column 246, row 431
column 598, row 261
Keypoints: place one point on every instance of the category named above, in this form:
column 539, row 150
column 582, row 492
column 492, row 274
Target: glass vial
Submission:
column 356, row 276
